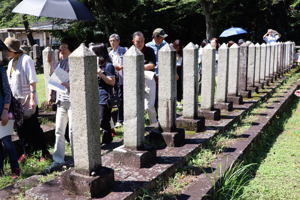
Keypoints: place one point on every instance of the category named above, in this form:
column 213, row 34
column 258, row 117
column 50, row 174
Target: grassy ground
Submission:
column 278, row 175
column 41, row 88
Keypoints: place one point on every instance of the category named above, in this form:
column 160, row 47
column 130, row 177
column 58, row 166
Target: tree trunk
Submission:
column 27, row 30
column 207, row 7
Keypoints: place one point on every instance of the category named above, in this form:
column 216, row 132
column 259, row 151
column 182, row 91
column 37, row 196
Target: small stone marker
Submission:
column 48, row 59
column 190, row 119
column 88, row 176
column 222, row 80
column 233, row 75
column 172, row 135
column 208, row 84
column 133, row 152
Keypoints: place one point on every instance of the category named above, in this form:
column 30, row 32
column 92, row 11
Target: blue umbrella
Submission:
column 232, row 31
column 64, row 9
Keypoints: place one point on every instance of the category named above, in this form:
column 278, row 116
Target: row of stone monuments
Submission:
column 241, row 70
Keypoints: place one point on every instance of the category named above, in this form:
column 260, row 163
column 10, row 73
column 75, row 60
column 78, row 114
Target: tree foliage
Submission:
column 189, row 20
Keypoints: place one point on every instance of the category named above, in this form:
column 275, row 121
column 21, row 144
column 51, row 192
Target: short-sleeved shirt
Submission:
column 21, row 77
column 149, row 55
column 156, row 48
column 116, row 57
column 271, row 39
column 105, row 90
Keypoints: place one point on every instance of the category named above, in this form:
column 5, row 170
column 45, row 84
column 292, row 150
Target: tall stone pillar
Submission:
column 264, row 70
column 208, row 84
column 173, row 136
column 133, row 152
column 190, row 119
column 258, row 65
column 222, row 80
column 251, row 65
column 88, row 176
column 268, row 63
column 233, row 75
column 243, row 65
column 272, row 60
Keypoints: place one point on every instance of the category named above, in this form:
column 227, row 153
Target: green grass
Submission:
column 278, row 175
column 40, row 88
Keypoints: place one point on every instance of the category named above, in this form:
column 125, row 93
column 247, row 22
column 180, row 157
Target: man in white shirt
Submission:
column 116, row 56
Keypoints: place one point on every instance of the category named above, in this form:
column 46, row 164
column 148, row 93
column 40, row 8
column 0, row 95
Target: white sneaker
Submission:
column 118, row 124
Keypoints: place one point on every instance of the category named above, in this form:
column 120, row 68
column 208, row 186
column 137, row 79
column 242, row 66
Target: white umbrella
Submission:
column 65, row 9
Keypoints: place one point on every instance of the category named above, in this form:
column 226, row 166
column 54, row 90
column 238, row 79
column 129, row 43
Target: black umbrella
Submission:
column 64, row 9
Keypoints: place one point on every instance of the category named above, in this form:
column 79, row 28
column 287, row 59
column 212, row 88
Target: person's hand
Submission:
column 297, row 93
column 4, row 117
column 66, row 85
column 100, row 72
column 118, row 68
column 32, row 103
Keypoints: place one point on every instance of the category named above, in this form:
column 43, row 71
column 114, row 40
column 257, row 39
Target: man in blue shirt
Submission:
column 157, row 43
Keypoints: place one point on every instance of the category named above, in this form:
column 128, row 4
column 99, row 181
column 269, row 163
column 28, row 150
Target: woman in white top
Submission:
column 22, row 80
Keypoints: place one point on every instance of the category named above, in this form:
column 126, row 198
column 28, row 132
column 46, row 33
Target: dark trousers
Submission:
column 8, row 147
column 105, row 115
column 179, row 83
column 120, row 93
column 32, row 136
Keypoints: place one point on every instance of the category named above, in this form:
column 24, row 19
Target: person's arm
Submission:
column 150, row 56
column 7, row 98
column 33, row 102
column 109, row 78
column 149, row 66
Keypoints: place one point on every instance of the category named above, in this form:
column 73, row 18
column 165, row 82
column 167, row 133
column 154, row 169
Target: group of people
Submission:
column 19, row 82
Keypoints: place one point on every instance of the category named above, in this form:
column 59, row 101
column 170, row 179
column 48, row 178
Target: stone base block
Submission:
column 253, row 89
column 214, row 114
column 235, row 99
column 269, row 80
column 95, row 186
column 196, row 125
column 175, row 138
column 260, row 85
column 134, row 158
column 245, row 93
column 224, row 106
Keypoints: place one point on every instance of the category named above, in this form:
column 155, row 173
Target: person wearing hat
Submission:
column 6, row 125
column 22, row 80
column 158, row 41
